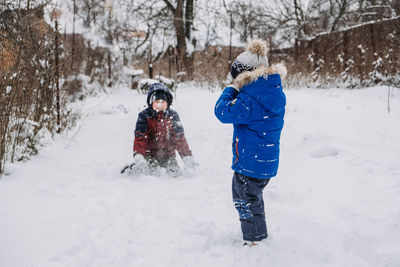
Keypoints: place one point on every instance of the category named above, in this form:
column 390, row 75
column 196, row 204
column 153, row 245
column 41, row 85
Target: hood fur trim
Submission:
column 250, row 76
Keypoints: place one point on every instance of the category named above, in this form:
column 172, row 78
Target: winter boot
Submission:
column 250, row 243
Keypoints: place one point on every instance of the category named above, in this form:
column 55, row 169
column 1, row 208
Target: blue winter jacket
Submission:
column 256, row 112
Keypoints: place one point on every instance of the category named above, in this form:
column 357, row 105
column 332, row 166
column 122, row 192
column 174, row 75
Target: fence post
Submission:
column 270, row 50
column 73, row 38
column 169, row 61
column 230, row 43
column 150, row 63
column 345, row 50
column 109, row 68
column 55, row 15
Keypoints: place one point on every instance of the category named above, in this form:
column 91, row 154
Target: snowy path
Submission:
column 335, row 201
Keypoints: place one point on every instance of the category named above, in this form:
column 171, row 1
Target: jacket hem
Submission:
column 255, row 175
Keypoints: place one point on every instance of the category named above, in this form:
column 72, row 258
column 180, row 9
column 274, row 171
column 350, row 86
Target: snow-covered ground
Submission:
column 335, row 201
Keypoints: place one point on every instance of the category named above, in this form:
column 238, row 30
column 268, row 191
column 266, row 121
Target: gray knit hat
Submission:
column 254, row 56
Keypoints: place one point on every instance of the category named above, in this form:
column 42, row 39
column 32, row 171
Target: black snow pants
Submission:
column 248, row 200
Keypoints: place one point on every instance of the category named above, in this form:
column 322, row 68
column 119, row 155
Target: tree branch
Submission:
column 169, row 5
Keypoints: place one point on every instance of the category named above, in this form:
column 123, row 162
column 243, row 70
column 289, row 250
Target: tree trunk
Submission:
column 299, row 18
column 183, row 22
column 188, row 18
column 57, row 74
column 180, row 34
column 341, row 13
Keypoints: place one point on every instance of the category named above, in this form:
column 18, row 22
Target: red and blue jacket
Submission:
column 159, row 134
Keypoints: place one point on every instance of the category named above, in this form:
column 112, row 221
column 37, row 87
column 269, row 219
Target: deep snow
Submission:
column 335, row 201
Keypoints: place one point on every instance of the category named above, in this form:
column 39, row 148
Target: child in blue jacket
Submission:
column 255, row 105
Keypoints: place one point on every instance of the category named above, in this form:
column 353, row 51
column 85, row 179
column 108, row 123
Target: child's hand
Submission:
column 139, row 162
column 190, row 163
column 242, row 79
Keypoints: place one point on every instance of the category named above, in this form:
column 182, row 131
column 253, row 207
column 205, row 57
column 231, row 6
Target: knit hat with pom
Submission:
column 254, row 56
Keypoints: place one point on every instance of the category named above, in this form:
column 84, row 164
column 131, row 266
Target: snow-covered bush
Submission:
column 130, row 77
column 29, row 138
column 170, row 83
column 144, row 84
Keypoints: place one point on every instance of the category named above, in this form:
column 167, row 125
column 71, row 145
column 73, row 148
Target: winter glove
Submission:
column 139, row 163
column 234, row 86
column 241, row 80
column 189, row 162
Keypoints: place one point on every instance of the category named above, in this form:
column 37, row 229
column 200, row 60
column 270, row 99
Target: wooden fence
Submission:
column 361, row 56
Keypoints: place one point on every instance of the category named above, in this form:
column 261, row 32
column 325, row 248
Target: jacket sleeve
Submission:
column 141, row 135
column 180, row 142
column 233, row 107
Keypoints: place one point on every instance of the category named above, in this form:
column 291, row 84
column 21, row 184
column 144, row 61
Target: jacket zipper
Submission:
column 237, row 151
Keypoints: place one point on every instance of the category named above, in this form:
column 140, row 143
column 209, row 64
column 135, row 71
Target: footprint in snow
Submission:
column 325, row 152
column 114, row 109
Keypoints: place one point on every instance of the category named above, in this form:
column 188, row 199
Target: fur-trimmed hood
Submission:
column 264, row 85
column 248, row 77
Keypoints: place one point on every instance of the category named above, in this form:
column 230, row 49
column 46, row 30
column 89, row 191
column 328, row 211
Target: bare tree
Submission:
column 183, row 15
